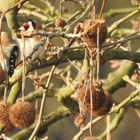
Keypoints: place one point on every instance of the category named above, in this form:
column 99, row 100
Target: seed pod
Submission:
column 22, row 114
column 101, row 101
column 89, row 34
column 89, row 138
column 4, row 116
column 60, row 22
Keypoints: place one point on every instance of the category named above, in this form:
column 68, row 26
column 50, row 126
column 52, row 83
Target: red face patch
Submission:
column 25, row 24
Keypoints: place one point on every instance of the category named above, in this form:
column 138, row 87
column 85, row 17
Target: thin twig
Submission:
column 24, row 69
column 102, row 8
column 71, row 26
column 116, row 24
column 114, row 123
column 98, row 55
column 108, row 134
column 127, row 79
column 42, row 103
column 78, row 135
column 118, row 11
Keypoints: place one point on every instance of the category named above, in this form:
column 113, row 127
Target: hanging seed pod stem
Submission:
column 42, row 103
column 102, row 8
column 23, row 71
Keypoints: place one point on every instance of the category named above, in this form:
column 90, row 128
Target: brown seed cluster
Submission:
column 89, row 138
column 90, row 31
column 95, row 94
column 22, row 114
column 4, row 116
column 59, row 22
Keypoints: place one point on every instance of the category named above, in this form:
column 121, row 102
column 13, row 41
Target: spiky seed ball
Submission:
column 107, row 104
column 60, row 22
column 22, row 114
column 89, row 138
column 101, row 101
column 89, row 34
column 4, row 116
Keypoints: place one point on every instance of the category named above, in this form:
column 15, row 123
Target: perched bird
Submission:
column 31, row 43
column 9, row 50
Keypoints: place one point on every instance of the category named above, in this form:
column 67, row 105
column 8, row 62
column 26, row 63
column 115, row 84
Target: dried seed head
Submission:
column 60, row 22
column 80, row 120
column 89, row 34
column 4, row 116
column 22, row 114
column 89, row 138
column 106, row 106
column 101, row 101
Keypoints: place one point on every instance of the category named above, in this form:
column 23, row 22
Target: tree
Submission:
column 76, row 48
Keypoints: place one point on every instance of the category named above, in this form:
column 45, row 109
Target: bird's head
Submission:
column 29, row 25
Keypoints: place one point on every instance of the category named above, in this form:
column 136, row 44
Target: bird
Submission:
column 31, row 44
column 9, row 50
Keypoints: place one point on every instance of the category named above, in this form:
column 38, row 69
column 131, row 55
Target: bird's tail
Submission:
column 12, row 60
